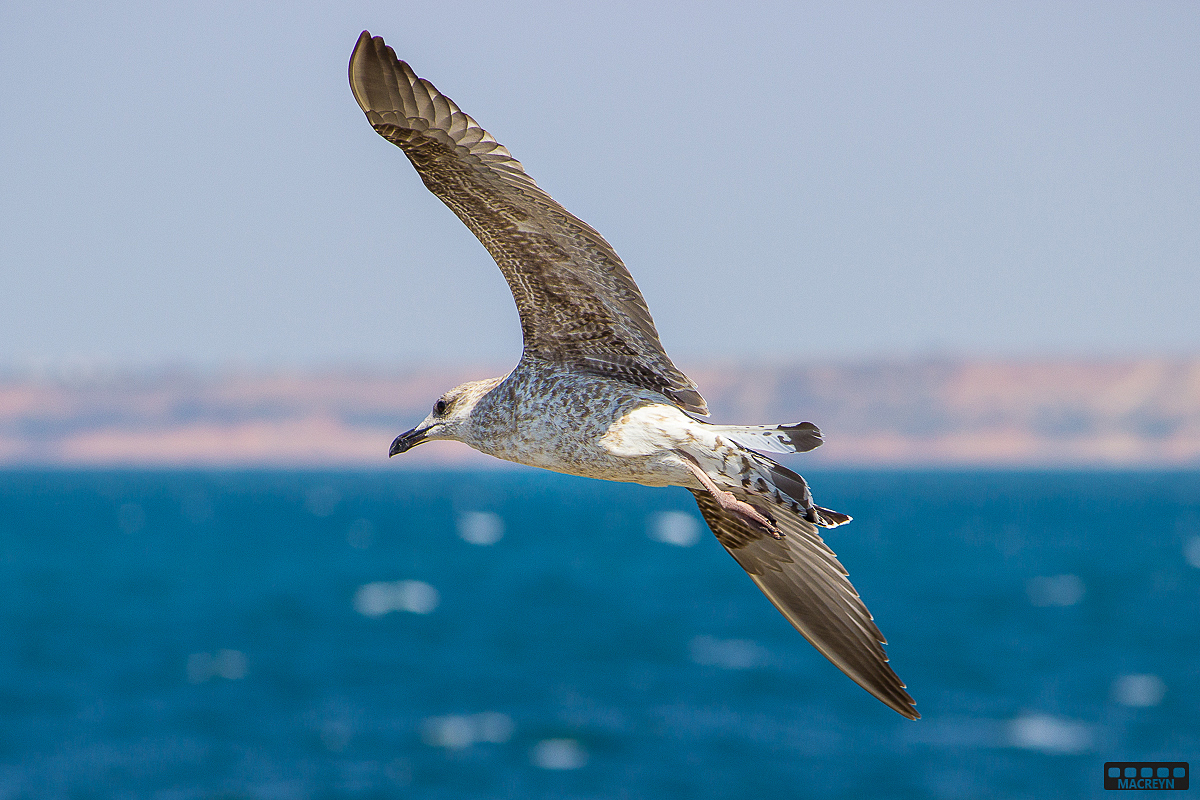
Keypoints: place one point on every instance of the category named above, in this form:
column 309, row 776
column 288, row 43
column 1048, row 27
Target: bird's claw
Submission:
column 750, row 514
column 730, row 503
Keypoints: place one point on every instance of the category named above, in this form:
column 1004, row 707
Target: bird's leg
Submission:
column 730, row 503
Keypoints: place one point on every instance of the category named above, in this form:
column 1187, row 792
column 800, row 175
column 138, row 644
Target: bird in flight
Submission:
column 595, row 394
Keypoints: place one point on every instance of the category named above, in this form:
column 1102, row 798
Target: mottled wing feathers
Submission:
column 578, row 304
column 802, row 577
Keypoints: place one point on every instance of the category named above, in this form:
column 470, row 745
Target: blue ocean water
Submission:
column 528, row 635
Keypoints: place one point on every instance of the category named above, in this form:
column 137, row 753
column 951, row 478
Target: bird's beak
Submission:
column 407, row 441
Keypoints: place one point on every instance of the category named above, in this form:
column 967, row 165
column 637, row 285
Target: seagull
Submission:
column 595, row 393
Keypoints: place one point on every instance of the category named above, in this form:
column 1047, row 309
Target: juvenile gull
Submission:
column 595, row 394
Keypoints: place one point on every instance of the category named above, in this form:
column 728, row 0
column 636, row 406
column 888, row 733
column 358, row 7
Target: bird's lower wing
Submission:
column 802, row 577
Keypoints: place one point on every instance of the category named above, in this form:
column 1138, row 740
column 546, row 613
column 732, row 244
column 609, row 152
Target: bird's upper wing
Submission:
column 579, row 305
column 802, row 577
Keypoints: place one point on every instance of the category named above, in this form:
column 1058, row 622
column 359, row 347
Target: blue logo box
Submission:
column 1146, row 775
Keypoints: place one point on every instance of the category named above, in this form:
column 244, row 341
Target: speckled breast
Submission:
column 546, row 416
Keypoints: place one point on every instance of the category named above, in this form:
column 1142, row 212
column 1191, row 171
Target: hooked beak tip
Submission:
column 406, row 441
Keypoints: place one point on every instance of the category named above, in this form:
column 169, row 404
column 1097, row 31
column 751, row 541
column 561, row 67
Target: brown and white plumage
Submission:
column 578, row 303
column 595, row 394
column 802, row 577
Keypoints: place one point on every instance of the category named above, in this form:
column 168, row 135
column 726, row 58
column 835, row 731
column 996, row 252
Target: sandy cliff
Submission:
column 1127, row 413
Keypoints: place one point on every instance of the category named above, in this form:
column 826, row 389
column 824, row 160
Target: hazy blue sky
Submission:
column 194, row 182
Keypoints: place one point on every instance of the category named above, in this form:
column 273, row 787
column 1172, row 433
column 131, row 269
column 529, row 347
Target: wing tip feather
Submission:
column 867, row 664
column 395, row 99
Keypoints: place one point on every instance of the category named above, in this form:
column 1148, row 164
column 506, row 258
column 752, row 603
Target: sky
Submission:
column 193, row 183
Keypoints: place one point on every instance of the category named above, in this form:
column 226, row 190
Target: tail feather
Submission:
column 830, row 518
column 799, row 437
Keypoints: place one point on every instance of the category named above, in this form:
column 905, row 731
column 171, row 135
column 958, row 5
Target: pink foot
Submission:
column 730, row 503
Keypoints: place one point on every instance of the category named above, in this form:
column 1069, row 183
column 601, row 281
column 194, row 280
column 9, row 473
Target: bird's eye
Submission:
column 439, row 407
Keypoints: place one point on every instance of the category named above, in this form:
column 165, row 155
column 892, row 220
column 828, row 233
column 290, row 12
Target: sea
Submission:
column 521, row 634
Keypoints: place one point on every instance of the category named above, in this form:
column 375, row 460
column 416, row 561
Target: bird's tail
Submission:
column 797, row 437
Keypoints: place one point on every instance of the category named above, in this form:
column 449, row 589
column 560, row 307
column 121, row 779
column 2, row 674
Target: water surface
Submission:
column 529, row 635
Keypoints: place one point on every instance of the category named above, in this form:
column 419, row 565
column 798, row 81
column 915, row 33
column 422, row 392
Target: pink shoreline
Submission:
column 1132, row 413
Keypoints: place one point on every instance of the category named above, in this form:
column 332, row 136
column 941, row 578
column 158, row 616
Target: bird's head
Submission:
column 450, row 418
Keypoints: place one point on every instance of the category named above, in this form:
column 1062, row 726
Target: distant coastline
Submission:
column 1052, row 413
